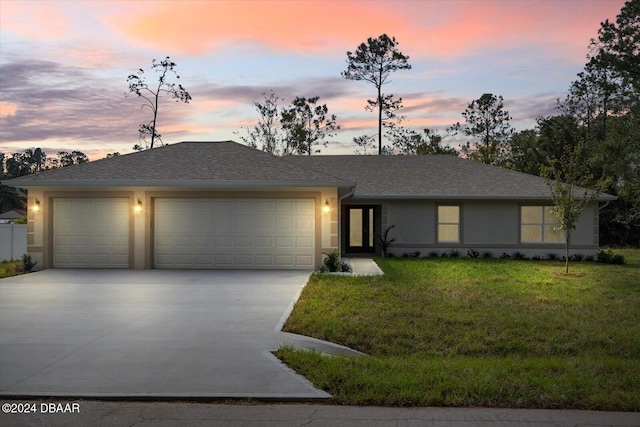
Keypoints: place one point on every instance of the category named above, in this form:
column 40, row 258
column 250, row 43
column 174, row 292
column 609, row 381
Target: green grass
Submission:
column 470, row 332
column 10, row 268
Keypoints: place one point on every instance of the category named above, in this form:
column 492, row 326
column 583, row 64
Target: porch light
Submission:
column 138, row 206
column 36, row 206
column 327, row 207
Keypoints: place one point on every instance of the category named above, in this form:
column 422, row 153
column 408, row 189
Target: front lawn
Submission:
column 10, row 268
column 470, row 332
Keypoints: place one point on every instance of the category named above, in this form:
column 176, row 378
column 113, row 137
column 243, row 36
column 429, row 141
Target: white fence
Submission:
column 13, row 241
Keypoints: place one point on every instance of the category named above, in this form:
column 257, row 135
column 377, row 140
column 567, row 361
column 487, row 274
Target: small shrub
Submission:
column 590, row 258
column 21, row 220
column 384, row 241
column 537, row 257
column 519, row 256
column 472, row 253
column 576, row 257
column 415, row 254
column 552, row 256
column 608, row 257
column 487, row 255
column 451, row 254
column 333, row 264
column 505, row 256
column 27, row 263
column 433, row 254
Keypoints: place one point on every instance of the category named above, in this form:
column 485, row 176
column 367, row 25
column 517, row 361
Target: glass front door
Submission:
column 360, row 233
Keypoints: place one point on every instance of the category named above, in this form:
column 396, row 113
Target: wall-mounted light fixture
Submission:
column 327, row 207
column 138, row 206
column 36, row 205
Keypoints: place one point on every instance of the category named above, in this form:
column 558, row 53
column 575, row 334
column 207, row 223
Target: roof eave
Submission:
column 177, row 184
column 601, row 198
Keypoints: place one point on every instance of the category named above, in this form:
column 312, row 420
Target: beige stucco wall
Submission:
column 40, row 224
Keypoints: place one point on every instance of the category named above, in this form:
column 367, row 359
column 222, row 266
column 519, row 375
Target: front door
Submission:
column 360, row 229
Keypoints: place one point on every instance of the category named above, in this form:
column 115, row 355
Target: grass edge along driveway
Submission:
column 469, row 332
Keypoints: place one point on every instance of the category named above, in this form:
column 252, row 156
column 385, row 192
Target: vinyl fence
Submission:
column 13, row 241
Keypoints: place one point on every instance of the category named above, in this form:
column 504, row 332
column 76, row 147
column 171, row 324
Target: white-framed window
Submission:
column 538, row 224
column 448, row 224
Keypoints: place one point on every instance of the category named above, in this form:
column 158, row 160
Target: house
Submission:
column 11, row 216
column 226, row 205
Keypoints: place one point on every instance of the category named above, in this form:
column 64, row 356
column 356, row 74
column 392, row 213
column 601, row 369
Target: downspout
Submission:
column 339, row 207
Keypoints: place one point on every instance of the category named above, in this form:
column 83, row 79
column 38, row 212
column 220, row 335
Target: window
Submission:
column 539, row 225
column 448, row 224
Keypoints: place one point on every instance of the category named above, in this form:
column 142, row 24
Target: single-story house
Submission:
column 11, row 216
column 226, row 205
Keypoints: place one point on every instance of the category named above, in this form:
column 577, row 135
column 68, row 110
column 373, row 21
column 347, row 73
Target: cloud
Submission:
column 423, row 28
column 52, row 101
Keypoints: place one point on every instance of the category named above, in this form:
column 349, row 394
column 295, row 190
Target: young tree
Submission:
column 307, row 124
column 267, row 133
column 152, row 94
column 488, row 122
column 374, row 61
column 569, row 171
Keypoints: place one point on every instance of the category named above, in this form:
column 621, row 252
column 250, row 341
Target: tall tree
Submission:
column 487, row 121
column 374, row 61
column 427, row 143
column 73, row 158
column 605, row 100
column 266, row 134
column 307, row 124
column 151, row 94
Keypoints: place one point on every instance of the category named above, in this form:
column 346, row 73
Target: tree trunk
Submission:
column 566, row 253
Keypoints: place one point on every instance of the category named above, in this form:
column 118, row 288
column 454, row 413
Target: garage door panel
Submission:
column 241, row 233
column 91, row 233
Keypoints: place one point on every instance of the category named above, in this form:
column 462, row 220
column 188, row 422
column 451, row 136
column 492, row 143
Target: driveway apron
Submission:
column 154, row 333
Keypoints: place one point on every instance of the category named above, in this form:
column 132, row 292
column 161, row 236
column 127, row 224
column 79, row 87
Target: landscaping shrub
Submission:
column 333, row 264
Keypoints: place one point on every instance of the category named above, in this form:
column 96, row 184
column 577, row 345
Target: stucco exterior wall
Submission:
column 40, row 223
column 485, row 226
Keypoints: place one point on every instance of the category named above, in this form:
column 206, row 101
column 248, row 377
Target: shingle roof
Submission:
column 229, row 164
column 434, row 177
column 186, row 163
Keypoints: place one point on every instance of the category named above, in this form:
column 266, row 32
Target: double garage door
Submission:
column 188, row 233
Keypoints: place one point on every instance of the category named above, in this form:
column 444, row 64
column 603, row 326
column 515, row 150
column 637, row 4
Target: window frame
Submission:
column 457, row 224
column 543, row 225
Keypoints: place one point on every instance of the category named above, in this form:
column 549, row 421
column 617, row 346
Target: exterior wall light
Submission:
column 138, row 206
column 36, row 206
column 327, row 207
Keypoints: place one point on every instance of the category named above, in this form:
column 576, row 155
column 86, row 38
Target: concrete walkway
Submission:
column 364, row 267
column 141, row 414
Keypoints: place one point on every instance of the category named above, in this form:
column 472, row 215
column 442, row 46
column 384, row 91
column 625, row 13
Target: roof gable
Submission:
column 184, row 163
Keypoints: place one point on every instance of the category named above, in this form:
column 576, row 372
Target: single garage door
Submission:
column 234, row 233
column 91, row 233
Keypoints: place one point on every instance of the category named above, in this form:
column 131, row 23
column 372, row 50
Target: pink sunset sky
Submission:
column 64, row 64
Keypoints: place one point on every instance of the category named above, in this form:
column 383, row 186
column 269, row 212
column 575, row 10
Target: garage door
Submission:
column 234, row 233
column 91, row 233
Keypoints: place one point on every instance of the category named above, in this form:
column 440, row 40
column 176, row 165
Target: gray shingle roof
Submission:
column 434, row 177
column 186, row 163
column 227, row 163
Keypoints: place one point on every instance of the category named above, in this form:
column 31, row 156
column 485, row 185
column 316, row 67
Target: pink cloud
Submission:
column 34, row 19
column 424, row 28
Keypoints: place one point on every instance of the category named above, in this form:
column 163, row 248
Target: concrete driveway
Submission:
column 157, row 333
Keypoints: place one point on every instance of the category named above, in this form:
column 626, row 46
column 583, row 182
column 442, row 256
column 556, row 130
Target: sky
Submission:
column 64, row 64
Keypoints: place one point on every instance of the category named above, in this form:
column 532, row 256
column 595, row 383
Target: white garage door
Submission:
column 234, row 233
column 91, row 233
